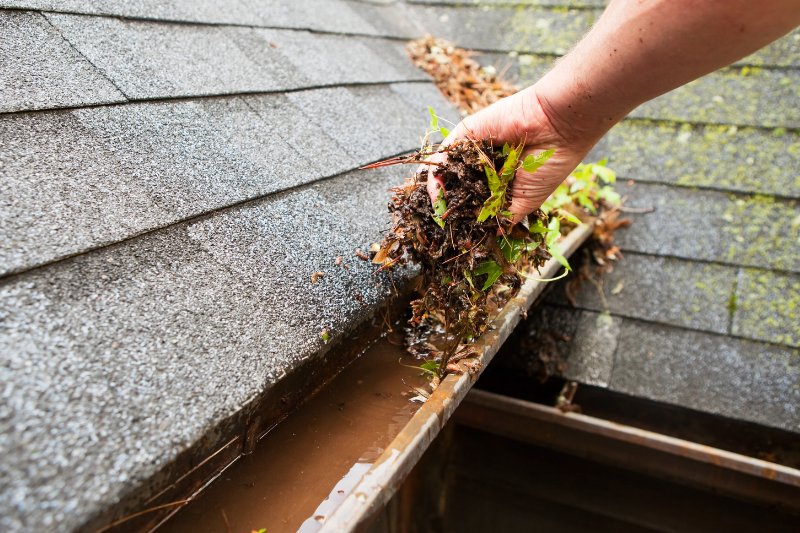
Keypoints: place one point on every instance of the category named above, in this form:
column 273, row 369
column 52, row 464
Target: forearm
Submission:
column 639, row 49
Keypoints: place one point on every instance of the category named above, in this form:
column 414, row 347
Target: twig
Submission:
column 140, row 513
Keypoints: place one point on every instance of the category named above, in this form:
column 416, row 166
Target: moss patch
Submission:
column 724, row 157
column 768, row 307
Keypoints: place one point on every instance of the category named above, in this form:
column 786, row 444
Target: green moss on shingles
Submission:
column 724, row 157
column 551, row 31
column 730, row 98
column 762, row 230
column 768, row 307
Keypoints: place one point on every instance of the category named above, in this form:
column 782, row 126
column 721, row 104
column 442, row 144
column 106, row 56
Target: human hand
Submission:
column 522, row 118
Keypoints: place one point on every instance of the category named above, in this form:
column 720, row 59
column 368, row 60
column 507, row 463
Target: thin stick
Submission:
column 140, row 513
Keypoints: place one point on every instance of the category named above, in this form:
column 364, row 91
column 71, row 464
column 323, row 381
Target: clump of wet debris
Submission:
column 473, row 257
column 464, row 82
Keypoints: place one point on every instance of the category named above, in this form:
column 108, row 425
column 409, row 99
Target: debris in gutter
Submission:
column 473, row 258
column 460, row 78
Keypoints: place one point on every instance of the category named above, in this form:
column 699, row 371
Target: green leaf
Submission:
column 538, row 227
column 506, row 149
column 587, row 203
column 468, row 277
column 569, row 217
column 605, row 174
column 533, row 162
column 610, row 195
column 558, row 199
column 577, row 186
column 492, row 179
column 325, row 335
column 439, row 208
column 492, row 206
column 553, row 230
column 430, row 366
column 555, row 251
column 498, row 184
column 512, row 248
column 434, row 125
column 510, row 166
column 492, row 271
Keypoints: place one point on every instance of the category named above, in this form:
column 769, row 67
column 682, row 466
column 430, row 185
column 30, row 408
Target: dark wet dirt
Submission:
column 319, row 452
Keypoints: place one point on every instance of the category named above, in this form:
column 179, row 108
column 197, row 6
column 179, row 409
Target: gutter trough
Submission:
column 382, row 480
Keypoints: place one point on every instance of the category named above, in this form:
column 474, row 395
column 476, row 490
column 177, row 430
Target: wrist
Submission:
column 569, row 107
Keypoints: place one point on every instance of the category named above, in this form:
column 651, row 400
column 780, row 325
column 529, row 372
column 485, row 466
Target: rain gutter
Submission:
column 381, row 481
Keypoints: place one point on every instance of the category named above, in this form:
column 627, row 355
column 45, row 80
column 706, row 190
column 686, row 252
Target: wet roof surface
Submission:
column 173, row 174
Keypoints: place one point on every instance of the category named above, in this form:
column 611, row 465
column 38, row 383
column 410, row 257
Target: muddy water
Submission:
column 309, row 462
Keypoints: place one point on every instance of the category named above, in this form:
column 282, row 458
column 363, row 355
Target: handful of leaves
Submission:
column 473, row 258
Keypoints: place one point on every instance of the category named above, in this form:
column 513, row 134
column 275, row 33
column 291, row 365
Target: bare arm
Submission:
column 637, row 50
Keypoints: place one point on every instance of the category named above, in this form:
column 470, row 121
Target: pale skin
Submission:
column 637, row 50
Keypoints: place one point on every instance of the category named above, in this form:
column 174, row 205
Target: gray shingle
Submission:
column 592, row 347
column 314, row 146
column 63, row 191
column 735, row 378
column 767, row 98
column 154, row 60
column 194, row 157
column 114, row 362
column 722, row 157
column 783, row 53
column 420, row 96
column 546, row 3
column 757, row 231
column 671, row 291
column 336, row 60
column 122, row 170
column 335, row 16
column 767, row 307
column 40, row 70
column 367, row 122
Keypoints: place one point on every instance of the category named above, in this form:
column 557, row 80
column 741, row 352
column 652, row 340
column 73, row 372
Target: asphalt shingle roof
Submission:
column 160, row 231
column 173, row 173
